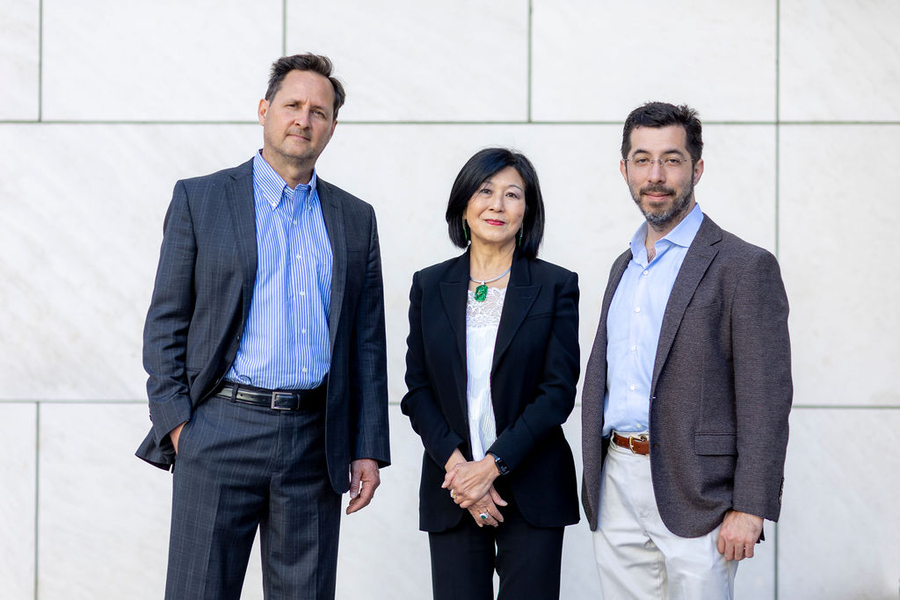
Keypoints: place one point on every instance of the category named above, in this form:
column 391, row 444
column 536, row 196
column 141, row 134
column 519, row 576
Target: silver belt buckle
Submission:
column 275, row 396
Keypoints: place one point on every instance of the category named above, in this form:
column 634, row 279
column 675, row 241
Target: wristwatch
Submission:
column 502, row 467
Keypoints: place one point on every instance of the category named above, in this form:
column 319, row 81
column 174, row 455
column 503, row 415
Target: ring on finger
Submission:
column 483, row 516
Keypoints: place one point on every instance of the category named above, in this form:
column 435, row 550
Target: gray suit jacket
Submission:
column 721, row 389
column 204, row 286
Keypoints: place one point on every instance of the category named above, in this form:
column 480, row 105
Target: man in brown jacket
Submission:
column 688, row 388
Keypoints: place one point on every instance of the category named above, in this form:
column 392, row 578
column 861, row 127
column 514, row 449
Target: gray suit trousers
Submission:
column 241, row 468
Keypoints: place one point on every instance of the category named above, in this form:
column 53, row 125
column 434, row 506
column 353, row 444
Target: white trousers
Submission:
column 637, row 556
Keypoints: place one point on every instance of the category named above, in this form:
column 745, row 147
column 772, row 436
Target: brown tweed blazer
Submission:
column 721, row 390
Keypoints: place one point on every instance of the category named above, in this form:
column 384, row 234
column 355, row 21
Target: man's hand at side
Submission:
column 739, row 533
column 364, row 478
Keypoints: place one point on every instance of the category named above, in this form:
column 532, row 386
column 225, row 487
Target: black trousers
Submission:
column 526, row 558
column 241, row 468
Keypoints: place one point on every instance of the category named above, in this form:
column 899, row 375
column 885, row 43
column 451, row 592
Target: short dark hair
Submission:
column 305, row 62
column 476, row 171
column 663, row 114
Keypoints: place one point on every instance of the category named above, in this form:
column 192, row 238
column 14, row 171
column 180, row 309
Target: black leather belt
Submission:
column 275, row 399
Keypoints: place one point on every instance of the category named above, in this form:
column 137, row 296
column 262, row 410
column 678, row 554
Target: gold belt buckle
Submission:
column 632, row 439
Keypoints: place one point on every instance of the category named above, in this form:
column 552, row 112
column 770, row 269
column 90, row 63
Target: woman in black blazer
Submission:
column 491, row 367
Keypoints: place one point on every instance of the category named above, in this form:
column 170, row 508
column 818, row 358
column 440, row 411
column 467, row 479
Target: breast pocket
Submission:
column 539, row 315
column 703, row 311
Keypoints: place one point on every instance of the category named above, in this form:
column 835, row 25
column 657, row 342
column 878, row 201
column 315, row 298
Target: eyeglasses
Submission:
column 670, row 162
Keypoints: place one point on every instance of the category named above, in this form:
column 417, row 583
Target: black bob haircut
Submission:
column 481, row 167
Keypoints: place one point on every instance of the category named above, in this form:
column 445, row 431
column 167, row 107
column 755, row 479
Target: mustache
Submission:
column 657, row 189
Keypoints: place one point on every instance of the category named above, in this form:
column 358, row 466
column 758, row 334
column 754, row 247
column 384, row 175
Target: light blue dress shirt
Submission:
column 285, row 344
column 634, row 322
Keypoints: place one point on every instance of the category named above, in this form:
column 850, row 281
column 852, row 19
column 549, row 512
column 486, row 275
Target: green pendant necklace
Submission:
column 481, row 290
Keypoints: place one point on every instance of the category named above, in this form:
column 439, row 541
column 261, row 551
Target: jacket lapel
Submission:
column 333, row 214
column 612, row 285
column 240, row 199
column 520, row 295
column 595, row 373
column 696, row 262
column 453, row 297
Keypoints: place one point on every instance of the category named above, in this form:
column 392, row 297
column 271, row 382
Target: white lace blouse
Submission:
column 482, row 322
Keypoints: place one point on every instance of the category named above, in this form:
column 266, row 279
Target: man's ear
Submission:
column 262, row 110
column 698, row 171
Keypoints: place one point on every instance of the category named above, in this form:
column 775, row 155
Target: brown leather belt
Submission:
column 312, row 399
column 639, row 444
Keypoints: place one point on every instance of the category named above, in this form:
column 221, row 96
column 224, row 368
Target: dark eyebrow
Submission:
column 664, row 152
column 312, row 106
column 490, row 181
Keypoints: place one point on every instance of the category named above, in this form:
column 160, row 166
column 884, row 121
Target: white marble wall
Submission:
column 105, row 103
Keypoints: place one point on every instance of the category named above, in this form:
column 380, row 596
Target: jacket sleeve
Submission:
column 763, row 386
column 168, row 320
column 554, row 398
column 369, row 356
column 419, row 403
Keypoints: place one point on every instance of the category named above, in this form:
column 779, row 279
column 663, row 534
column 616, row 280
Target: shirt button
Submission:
column 631, row 387
column 303, row 370
column 303, row 330
column 302, row 293
column 645, row 273
column 637, row 309
column 633, row 348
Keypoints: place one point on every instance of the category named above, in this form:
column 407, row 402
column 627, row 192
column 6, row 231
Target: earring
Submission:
column 521, row 235
column 465, row 233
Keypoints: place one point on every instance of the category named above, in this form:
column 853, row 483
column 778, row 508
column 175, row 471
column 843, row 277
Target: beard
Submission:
column 673, row 213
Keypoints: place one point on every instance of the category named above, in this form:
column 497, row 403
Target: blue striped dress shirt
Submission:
column 285, row 344
column 634, row 322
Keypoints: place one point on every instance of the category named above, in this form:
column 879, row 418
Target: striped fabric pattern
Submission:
column 285, row 344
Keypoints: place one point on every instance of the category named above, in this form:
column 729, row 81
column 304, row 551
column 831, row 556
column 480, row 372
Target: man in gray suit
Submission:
column 688, row 387
column 265, row 349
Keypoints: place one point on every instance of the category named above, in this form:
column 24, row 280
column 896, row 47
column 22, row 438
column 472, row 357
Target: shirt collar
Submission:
column 272, row 184
column 682, row 235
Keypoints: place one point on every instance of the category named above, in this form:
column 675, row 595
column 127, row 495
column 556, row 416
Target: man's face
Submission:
column 659, row 174
column 299, row 121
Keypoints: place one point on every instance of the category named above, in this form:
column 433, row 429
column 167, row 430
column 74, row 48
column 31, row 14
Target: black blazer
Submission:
column 204, row 285
column 535, row 369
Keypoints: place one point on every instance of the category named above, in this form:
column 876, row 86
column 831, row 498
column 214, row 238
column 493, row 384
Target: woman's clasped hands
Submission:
column 471, row 485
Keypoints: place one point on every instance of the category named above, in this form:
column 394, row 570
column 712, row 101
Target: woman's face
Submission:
column 495, row 211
